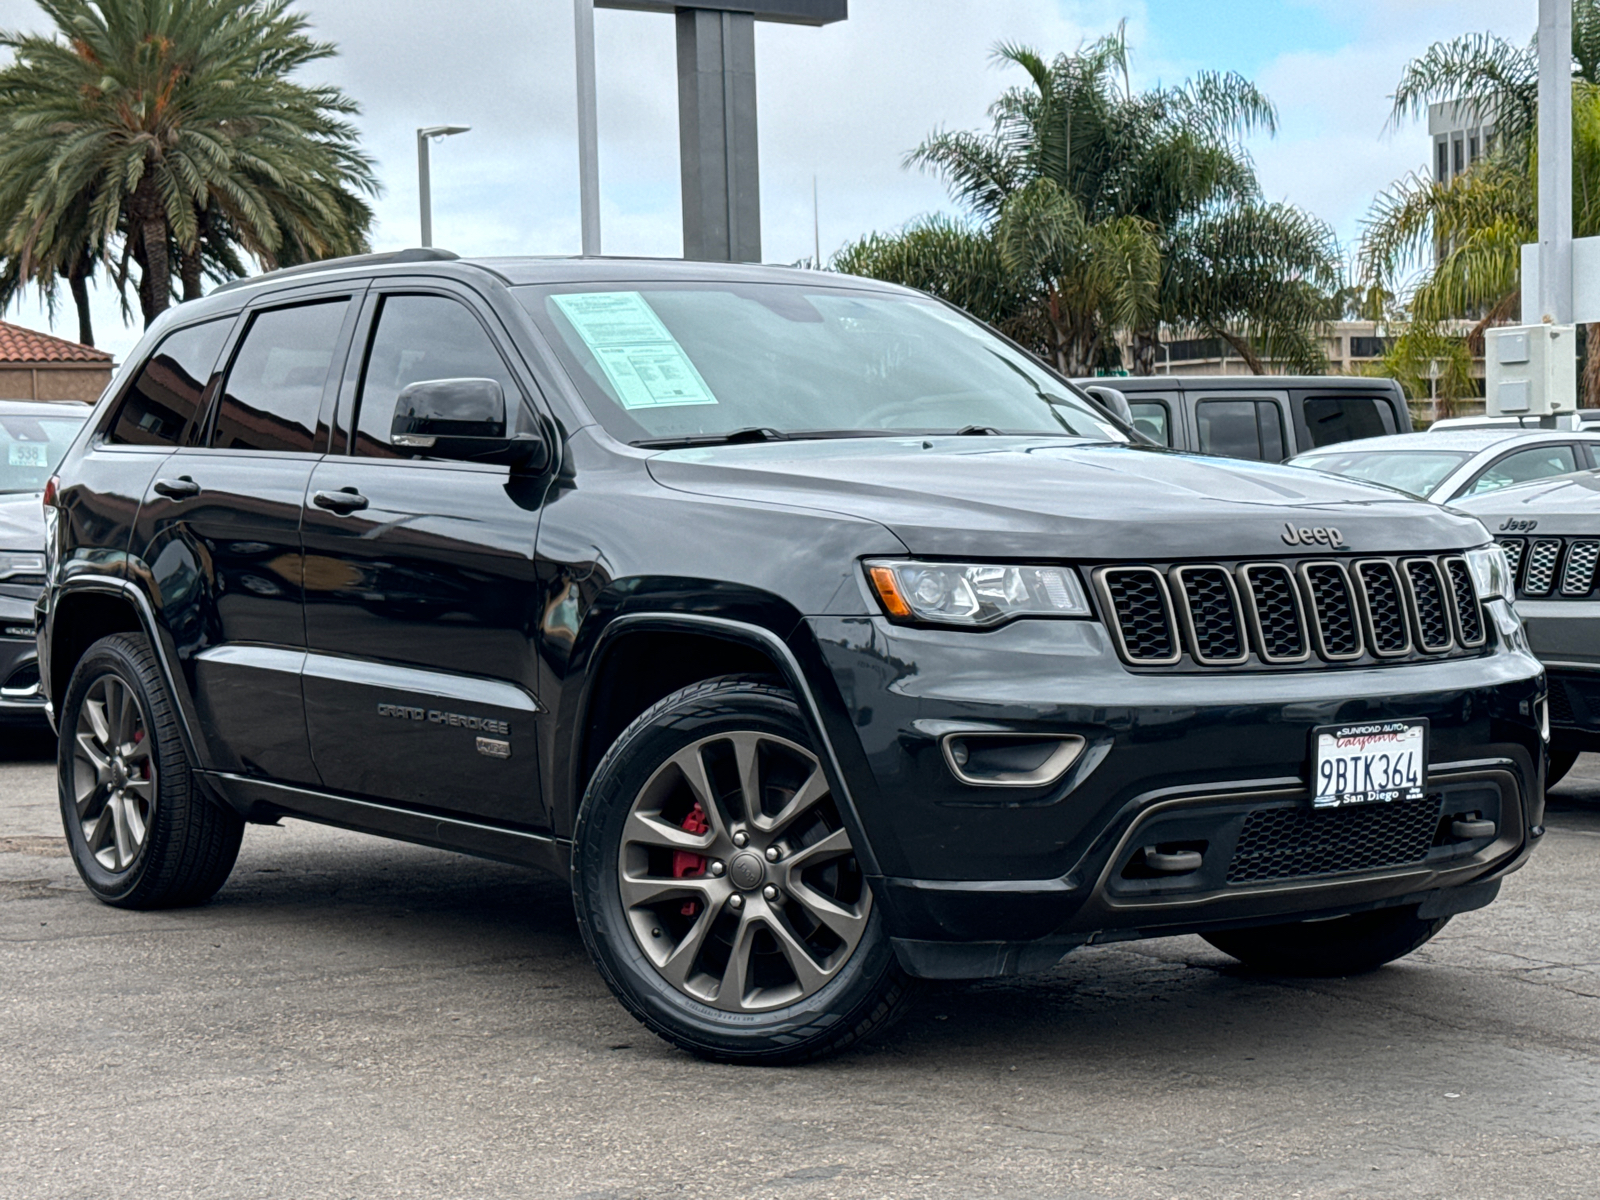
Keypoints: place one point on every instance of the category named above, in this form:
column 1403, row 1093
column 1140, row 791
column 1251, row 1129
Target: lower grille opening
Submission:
column 25, row 679
column 1294, row 843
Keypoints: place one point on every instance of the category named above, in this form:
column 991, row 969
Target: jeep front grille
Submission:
column 1139, row 598
column 1333, row 608
column 1276, row 612
column 1469, row 618
column 1273, row 614
column 1553, row 568
column 1383, row 608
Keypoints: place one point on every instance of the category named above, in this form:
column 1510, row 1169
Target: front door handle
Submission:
column 181, row 488
column 345, row 500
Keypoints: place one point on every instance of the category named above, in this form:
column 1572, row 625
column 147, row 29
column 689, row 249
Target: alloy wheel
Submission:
column 113, row 773
column 737, row 875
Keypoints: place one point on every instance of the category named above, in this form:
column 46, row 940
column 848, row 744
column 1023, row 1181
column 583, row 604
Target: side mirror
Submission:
column 448, row 408
column 462, row 419
column 1111, row 400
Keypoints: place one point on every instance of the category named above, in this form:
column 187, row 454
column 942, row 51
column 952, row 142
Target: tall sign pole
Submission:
column 588, row 127
column 1555, row 164
column 717, row 114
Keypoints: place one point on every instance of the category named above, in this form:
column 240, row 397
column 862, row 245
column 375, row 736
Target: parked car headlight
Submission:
column 976, row 594
column 1491, row 572
column 20, row 564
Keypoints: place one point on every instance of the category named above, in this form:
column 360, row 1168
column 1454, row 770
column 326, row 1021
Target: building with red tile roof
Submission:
column 38, row 366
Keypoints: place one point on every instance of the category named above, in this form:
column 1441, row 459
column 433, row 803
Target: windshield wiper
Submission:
column 755, row 433
column 978, row 431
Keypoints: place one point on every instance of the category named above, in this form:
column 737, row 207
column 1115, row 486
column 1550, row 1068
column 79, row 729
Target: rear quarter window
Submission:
column 169, row 389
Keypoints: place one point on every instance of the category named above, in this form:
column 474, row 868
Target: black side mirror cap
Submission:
column 463, row 419
column 448, row 408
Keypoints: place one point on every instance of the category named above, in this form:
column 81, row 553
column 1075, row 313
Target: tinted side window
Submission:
column 1241, row 429
column 1523, row 466
column 1331, row 419
column 1151, row 418
column 274, row 388
column 167, row 393
column 418, row 338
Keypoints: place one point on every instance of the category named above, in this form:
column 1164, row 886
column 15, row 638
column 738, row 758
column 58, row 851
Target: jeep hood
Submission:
column 1566, row 504
column 1003, row 497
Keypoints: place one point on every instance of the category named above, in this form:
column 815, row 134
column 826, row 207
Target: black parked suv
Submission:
column 824, row 639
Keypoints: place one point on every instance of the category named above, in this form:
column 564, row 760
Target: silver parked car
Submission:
column 1550, row 532
column 1446, row 467
column 33, row 437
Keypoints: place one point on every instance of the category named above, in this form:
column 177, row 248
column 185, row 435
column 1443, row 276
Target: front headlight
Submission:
column 975, row 594
column 1491, row 572
column 20, row 564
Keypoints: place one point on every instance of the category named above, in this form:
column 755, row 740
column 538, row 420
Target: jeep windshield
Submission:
column 1416, row 472
column 688, row 364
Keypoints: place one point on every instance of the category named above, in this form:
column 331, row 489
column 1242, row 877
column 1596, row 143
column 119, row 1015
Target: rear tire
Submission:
column 717, row 889
column 1351, row 945
column 1563, row 756
column 140, row 831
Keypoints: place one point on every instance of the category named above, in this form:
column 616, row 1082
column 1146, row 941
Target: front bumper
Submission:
column 1173, row 760
column 22, row 699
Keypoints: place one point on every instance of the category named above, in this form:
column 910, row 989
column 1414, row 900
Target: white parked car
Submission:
column 1447, row 465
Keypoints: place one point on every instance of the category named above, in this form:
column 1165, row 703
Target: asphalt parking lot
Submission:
column 354, row 1018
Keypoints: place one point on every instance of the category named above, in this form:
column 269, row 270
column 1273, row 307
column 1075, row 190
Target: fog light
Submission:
column 1010, row 759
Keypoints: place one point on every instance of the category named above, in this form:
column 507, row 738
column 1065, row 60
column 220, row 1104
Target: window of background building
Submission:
column 163, row 400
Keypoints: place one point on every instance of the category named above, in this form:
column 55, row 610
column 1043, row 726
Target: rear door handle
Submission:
column 181, row 488
column 346, row 500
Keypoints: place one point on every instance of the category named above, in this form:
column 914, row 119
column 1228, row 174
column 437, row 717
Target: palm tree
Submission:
column 1458, row 242
column 174, row 129
column 1148, row 207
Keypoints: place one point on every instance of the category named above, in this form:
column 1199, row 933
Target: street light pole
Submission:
column 1555, row 164
column 588, row 127
column 424, row 180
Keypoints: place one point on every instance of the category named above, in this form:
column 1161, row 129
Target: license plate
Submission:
column 1374, row 762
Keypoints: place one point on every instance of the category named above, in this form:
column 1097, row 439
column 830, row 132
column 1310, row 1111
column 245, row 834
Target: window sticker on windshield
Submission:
column 639, row 355
column 27, row 454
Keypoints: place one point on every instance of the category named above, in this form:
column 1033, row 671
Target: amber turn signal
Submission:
column 888, row 589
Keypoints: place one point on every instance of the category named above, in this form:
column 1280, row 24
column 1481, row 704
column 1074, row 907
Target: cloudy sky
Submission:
column 841, row 104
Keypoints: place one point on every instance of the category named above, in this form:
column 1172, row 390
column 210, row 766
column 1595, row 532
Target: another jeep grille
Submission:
column 1274, row 614
column 1553, row 568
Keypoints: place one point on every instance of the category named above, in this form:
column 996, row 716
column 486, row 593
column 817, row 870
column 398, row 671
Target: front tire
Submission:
column 140, row 832
column 716, row 887
column 1351, row 945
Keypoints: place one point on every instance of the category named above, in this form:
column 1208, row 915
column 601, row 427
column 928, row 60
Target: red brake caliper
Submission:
column 685, row 863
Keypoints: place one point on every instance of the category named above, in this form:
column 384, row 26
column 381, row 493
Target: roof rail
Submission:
column 414, row 254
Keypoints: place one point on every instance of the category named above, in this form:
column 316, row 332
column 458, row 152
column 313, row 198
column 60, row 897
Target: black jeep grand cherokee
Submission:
column 825, row 639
